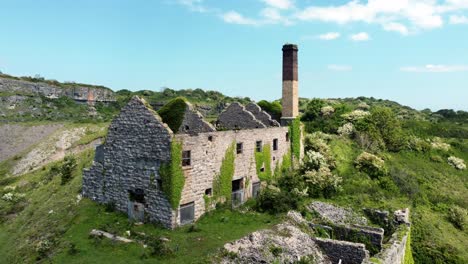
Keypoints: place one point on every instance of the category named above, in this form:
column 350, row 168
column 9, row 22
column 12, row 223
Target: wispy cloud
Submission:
column 362, row 36
column 280, row 4
column 435, row 68
column 234, row 17
column 337, row 67
column 329, row 36
column 397, row 27
column 454, row 19
column 194, row 5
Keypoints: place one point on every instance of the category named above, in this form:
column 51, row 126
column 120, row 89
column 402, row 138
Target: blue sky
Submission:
column 412, row 51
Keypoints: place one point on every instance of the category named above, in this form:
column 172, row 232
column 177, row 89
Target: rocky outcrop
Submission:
column 284, row 243
column 337, row 215
column 77, row 92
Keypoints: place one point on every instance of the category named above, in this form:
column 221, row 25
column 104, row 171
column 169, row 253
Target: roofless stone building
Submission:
column 172, row 166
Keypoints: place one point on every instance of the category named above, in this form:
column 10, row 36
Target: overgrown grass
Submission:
column 51, row 213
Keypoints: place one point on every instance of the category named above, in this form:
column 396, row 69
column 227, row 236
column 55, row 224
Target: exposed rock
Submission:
column 337, row 215
column 285, row 243
column 99, row 233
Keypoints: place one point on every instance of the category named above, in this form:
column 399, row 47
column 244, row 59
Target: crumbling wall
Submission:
column 136, row 145
column 261, row 115
column 371, row 236
column 347, row 252
column 207, row 153
column 235, row 116
column 193, row 122
column 395, row 249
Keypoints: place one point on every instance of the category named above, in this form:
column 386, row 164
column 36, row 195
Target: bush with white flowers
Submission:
column 363, row 106
column 457, row 163
column 438, row 144
column 346, row 130
column 371, row 164
column 355, row 115
column 327, row 110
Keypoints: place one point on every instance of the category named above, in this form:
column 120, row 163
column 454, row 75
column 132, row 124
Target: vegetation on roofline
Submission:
column 173, row 113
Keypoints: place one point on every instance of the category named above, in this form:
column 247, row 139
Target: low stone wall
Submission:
column 347, row 252
column 395, row 252
column 371, row 236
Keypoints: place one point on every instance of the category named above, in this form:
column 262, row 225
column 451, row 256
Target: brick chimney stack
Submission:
column 290, row 84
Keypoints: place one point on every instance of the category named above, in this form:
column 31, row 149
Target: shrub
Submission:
column 173, row 113
column 313, row 161
column 438, row 144
column 346, row 129
column 67, row 168
column 371, row 164
column 158, row 247
column 272, row 200
column 327, row 110
column 457, row 163
column 322, row 182
column 417, row 144
column 458, row 217
column 43, row 247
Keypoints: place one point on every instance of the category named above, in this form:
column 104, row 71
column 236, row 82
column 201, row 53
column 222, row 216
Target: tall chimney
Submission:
column 290, row 84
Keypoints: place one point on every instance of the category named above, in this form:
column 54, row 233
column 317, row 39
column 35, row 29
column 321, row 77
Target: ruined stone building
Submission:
column 169, row 168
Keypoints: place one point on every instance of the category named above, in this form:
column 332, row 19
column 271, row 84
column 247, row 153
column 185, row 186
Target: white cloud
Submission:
column 336, row 67
column 280, row 4
column 362, row 36
column 454, row 19
column 194, row 5
column 435, row 68
column 233, row 17
column 273, row 16
column 397, row 27
column 329, row 36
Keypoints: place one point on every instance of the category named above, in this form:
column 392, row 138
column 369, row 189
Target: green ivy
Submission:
column 172, row 176
column 295, row 137
column 173, row 113
column 283, row 166
column 222, row 185
column 263, row 160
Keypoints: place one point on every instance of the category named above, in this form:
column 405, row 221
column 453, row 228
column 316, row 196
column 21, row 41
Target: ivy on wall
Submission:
column 283, row 166
column 222, row 185
column 263, row 160
column 295, row 138
column 172, row 176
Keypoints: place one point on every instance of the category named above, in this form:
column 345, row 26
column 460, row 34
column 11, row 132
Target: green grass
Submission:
column 70, row 223
column 428, row 188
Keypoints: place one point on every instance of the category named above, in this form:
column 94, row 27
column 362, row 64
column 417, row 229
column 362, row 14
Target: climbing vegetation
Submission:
column 222, row 185
column 263, row 163
column 295, row 137
column 172, row 176
column 173, row 112
column 284, row 166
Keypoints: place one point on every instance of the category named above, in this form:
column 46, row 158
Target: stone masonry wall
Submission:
column 193, row 122
column 137, row 144
column 347, row 252
column 235, row 116
column 79, row 93
column 351, row 233
column 261, row 115
column 207, row 156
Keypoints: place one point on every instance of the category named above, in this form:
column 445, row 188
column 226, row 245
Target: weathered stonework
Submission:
column 193, row 122
column 346, row 252
column 261, row 115
column 136, row 145
column 290, row 99
column 207, row 157
column 235, row 116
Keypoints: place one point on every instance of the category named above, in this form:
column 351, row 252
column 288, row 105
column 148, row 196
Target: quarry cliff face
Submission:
column 76, row 92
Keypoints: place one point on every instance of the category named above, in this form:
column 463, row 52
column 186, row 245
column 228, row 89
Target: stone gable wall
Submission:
column 193, row 120
column 136, row 145
column 261, row 115
column 207, row 157
column 235, row 116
